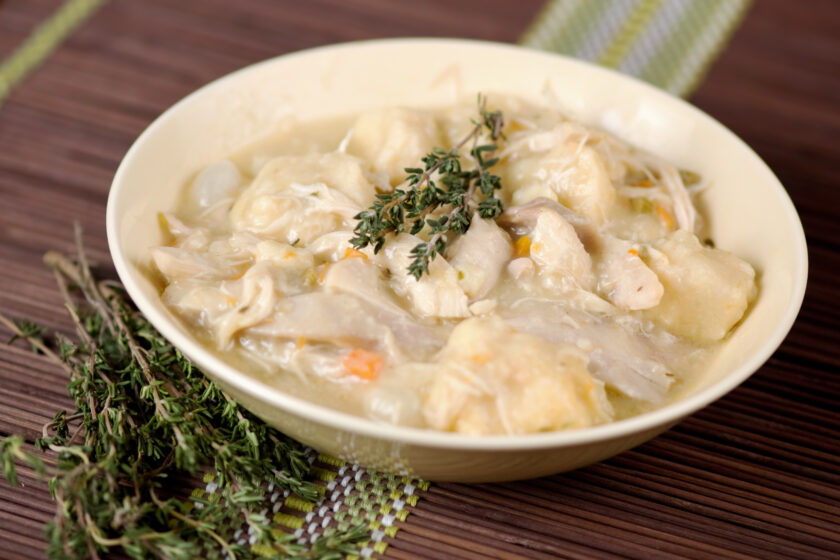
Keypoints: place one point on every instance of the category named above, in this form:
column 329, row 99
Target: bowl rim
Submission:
column 342, row 421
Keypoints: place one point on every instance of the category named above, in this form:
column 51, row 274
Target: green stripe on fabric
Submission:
column 726, row 31
column 541, row 33
column 581, row 24
column 43, row 41
column 661, row 68
column 669, row 43
column 620, row 46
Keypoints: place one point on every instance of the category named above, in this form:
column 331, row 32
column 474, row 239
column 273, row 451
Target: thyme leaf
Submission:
column 147, row 422
column 439, row 197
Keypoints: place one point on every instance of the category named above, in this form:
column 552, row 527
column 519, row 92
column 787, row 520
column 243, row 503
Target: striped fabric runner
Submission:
column 350, row 496
column 669, row 43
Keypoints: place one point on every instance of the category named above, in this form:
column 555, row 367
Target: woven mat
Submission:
column 752, row 476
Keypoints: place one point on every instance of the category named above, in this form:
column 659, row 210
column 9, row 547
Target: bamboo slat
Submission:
column 753, row 476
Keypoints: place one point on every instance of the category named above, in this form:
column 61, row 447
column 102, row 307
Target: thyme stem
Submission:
column 427, row 193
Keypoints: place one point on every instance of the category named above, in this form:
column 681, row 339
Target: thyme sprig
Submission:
column 145, row 419
column 440, row 197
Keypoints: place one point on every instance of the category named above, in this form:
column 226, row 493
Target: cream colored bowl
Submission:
column 750, row 214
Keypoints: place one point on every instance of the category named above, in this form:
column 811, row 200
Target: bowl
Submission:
column 749, row 211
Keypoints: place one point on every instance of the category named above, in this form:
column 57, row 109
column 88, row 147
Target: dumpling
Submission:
column 490, row 379
column 393, row 139
column 571, row 173
column 304, row 197
column 707, row 290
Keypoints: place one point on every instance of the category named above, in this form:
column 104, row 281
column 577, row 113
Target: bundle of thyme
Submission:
column 145, row 417
column 440, row 197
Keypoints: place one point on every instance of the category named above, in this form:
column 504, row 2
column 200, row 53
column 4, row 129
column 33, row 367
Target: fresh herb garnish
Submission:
column 442, row 196
column 145, row 419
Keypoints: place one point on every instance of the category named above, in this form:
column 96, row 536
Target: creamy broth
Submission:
column 590, row 299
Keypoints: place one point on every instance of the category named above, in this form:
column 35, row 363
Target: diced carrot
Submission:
column 665, row 216
column 522, row 247
column 643, row 183
column 363, row 364
column 352, row 253
column 633, row 252
column 301, row 341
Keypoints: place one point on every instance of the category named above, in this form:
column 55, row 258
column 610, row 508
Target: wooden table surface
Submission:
column 753, row 476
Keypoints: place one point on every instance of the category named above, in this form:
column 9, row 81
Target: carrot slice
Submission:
column 363, row 364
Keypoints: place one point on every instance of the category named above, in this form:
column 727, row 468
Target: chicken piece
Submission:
column 201, row 301
column 436, row 294
column 394, row 138
column 255, row 298
column 707, row 290
column 335, row 245
column 533, row 191
column 556, row 249
column 559, row 254
column 521, row 269
column 571, row 170
column 683, row 208
column 363, row 279
column 284, row 256
column 338, row 319
column 625, row 360
column 521, row 219
column 489, row 379
column 176, row 263
column 479, row 256
column 483, row 306
column 290, row 266
column 624, row 278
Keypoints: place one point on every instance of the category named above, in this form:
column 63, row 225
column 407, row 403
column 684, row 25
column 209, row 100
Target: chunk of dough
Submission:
column 393, row 139
column 707, row 290
column 574, row 173
column 490, row 379
column 304, row 197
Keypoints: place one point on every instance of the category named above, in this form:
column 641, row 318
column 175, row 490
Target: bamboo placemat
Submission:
column 754, row 475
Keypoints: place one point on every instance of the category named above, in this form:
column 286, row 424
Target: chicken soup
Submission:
column 500, row 271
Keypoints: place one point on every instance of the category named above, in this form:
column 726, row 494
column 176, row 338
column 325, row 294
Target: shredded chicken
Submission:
column 479, row 256
column 437, row 294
